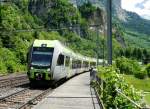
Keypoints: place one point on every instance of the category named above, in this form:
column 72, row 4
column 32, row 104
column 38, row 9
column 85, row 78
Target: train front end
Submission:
column 40, row 59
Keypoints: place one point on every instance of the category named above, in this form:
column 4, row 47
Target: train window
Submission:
column 67, row 61
column 79, row 64
column 92, row 64
column 74, row 64
column 60, row 60
column 86, row 64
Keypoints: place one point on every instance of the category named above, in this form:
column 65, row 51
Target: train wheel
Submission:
column 54, row 85
column 32, row 84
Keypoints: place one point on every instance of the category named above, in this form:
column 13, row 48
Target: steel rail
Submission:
column 14, row 81
column 3, row 98
column 36, row 98
column 24, row 98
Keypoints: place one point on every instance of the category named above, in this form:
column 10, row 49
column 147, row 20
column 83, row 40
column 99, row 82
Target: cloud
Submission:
column 146, row 16
column 147, row 5
column 141, row 7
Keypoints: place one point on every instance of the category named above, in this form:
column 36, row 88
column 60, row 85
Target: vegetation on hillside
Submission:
column 18, row 19
column 140, row 84
column 132, row 67
column 136, row 23
column 43, row 18
column 133, row 44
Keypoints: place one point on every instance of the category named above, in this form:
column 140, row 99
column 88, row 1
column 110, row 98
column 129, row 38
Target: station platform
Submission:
column 76, row 93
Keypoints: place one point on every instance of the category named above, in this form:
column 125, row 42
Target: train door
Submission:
column 67, row 66
column 74, row 66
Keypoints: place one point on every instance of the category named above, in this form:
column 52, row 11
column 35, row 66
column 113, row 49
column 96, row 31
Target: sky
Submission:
column 141, row 7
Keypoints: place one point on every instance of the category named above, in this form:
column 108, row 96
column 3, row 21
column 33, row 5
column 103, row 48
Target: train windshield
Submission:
column 42, row 56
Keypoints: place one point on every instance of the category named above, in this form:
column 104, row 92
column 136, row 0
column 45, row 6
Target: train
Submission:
column 50, row 61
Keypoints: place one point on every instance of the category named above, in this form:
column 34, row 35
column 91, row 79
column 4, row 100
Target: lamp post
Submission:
column 109, row 31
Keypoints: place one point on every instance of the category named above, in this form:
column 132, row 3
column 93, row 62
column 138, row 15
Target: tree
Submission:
column 128, row 52
column 61, row 14
column 87, row 10
column 139, row 54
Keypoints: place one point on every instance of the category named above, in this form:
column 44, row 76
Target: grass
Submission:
column 141, row 84
column 147, row 98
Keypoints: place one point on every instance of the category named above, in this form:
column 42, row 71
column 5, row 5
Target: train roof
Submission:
column 65, row 50
column 48, row 43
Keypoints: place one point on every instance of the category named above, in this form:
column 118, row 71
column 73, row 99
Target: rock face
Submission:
column 118, row 11
column 40, row 7
column 99, row 3
column 116, row 4
column 130, row 20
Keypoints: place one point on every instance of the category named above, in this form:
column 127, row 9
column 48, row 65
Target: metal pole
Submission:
column 78, row 29
column 0, row 13
column 103, row 53
column 109, row 31
column 97, row 34
column 77, row 22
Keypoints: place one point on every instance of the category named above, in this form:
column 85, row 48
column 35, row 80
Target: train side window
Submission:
column 67, row 61
column 60, row 60
column 87, row 64
column 74, row 64
column 92, row 64
column 79, row 64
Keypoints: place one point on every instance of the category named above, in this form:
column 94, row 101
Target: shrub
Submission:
column 11, row 66
column 148, row 70
column 3, row 68
column 141, row 74
column 127, row 66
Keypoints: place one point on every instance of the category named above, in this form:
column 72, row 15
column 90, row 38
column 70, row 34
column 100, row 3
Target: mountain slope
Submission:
column 129, row 21
column 136, row 29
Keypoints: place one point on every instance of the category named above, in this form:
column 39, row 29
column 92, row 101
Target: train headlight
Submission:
column 31, row 68
column 48, row 69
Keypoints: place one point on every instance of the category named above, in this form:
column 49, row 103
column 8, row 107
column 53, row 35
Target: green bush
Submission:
column 148, row 70
column 3, row 68
column 141, row 74
column 11, row 66
column 9, row 63
column 127, row 66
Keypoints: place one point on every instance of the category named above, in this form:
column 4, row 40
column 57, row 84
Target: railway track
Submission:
column 9, row 82
column 23, row 99
column 16, row 94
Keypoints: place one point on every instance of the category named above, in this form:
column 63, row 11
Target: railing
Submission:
column 99, row 98
column 99, row 91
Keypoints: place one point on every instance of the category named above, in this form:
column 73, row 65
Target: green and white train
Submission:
column 50, row 61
